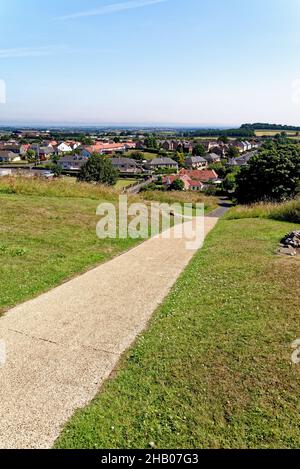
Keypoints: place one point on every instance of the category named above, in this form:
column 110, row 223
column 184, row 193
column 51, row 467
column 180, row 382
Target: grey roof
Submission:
column 212, row 157
column 11, row 147
column 6, row 154
column 162, row 161
column 123, row 161
column 46, row 150
column 71, row 158
column 196, row 159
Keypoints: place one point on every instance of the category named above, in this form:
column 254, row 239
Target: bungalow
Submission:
column 11, row 148
column 195, row 162
column 196, row 186
column 72, row 162
column 212, row 158
column 204, row 175
column 125, row 165
column 8, row 157
column 160, row 163
column 242, row 160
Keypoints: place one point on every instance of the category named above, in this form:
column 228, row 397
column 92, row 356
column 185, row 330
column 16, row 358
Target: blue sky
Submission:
column 200, row 62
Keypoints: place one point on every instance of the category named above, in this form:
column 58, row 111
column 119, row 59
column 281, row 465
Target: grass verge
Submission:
column 214, row 368
column 287, row 211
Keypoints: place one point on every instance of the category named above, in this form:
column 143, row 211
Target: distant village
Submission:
column 173, row 159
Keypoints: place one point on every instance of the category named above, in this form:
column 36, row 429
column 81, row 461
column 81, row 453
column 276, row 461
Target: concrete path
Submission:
column 62, row 345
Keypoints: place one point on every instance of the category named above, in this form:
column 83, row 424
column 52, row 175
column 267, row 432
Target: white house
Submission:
column 8, row 157
column 64, row 148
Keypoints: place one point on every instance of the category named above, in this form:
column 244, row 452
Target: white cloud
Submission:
column 31, row 51
column 113, row 8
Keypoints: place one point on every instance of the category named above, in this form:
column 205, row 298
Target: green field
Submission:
column 214, row 368
column 123, row 183
column 272, row 133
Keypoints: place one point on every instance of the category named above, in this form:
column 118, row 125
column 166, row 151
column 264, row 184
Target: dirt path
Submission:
column 63, row 344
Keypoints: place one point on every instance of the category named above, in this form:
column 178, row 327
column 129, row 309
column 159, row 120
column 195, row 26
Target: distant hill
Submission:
column 266, row 126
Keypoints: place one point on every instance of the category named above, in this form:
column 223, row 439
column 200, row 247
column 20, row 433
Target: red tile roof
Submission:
column 204, row 175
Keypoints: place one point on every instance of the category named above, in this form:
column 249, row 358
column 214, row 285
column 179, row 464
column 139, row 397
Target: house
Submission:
column 189, row 178
column 187, row 147
column 11, row 148
column 24, row 148
column 129, row 145
column 168, row 181
column 72, row 162
column 195, row 162
column 241, row 146
column 159, row 163
column 45, row 153
column 242, row 160
column 125, row 165
column 64, row 148
column 167, row 145
column 108, row 148
column 8, row 157
column 196, row 186
column 204, row 175
column 212, row 158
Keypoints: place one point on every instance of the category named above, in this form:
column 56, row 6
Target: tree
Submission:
column 151, row 142
column 98, row 169
column 137, row 156
column 229, row 183
column 179, row 158
column 30, row 155
column 86, row 140
column 232, row 152
column 177, row 185
column 199, row 150
column 273, row 174
column 223, row 139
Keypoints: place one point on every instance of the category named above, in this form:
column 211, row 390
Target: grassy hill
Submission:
column 48, row 234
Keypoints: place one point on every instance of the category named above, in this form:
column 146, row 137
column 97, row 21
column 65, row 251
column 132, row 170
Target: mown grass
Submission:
column 214, row 368
column 287, row 211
